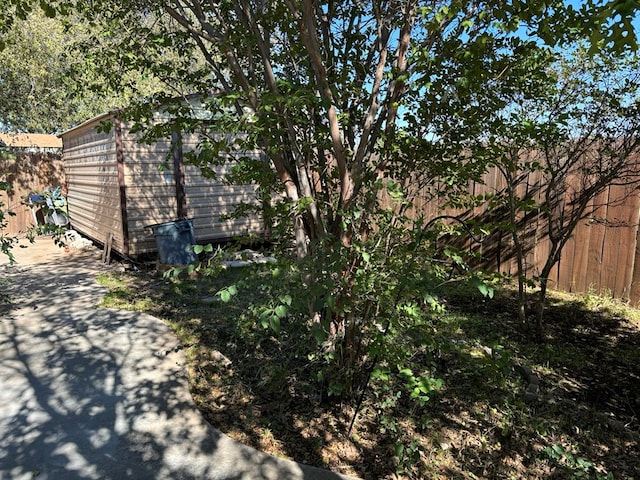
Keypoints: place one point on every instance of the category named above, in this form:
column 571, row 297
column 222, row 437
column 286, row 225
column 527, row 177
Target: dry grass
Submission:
column 261, row 390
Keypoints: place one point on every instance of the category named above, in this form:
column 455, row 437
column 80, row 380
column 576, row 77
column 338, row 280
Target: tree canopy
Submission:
column 358, row 108
column 48, row 79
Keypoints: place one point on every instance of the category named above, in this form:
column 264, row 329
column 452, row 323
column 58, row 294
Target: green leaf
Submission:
column 48, row 10
column 398, row 449
column 174, row 272
column 318, row 333
column 274, row 322
column 559, row 449
column 380, row 374
column 227, row 293
column 485, row 289
column 197, row 249
column 281, row 311
column 286, row 299
column 467, row 24
column 331, row 302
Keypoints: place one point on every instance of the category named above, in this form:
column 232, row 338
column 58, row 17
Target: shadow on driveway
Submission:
column 101, row 394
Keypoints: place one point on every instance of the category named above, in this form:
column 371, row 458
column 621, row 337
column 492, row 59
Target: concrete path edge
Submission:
column 93, row 393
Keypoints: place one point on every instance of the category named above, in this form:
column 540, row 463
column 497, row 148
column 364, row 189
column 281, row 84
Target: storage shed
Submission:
column 118, row 186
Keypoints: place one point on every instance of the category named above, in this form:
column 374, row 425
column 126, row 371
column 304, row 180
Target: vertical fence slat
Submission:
column 593, row 272
column 27, row 172
column 634, row 295
column 634, row 224
column 610, row 244
column 624, row 221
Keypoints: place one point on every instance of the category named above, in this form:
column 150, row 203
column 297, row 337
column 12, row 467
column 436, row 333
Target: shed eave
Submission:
column 84, row 124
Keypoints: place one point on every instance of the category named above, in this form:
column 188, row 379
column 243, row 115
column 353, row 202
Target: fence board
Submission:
column 593, row 273
column 27, row 172
column 573, row 268
column 610, row 241
column 632, row 232
column 634, row 294
column 620, row 249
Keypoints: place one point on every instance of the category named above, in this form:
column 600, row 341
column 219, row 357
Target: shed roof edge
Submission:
column 87, row 122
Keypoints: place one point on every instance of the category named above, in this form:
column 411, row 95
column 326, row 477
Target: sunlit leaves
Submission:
column 198, row 249
column 47, row 78
column 483, row 287
column 228, row 293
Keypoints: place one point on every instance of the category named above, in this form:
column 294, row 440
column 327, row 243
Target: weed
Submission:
column 577, row 467
column 443, row 402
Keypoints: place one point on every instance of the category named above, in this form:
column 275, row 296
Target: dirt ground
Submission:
column 43, row 250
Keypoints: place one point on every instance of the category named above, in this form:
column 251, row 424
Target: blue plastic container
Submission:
column 175, row 242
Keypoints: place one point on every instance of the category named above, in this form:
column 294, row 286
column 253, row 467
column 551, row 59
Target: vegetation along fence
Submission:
column 602, row 256
column 27, row 172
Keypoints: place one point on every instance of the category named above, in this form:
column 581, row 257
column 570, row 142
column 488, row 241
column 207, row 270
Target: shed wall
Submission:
column 93, row 191
column 150, row 190
column 209, row 199
column 145, row 188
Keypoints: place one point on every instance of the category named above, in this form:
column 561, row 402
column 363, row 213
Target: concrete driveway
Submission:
column 101, row 394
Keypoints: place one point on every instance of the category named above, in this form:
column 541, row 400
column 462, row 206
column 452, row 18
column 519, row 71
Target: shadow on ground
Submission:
column 102, row 394
column 589, row 399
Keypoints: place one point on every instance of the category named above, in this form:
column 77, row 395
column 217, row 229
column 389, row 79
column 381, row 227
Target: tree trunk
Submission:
column 517, row 245
column 542, row 294
column 522, row 294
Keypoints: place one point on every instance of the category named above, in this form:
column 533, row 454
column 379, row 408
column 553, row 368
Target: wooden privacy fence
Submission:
column 603, row 254
column 27, row 172
column 600, row 256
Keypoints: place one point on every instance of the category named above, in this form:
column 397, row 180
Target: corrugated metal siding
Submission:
column 209, row 199
column 97, row 206
column 93, row 193
column 150, row 190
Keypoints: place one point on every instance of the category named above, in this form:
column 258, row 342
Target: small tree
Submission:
column 559, row 150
